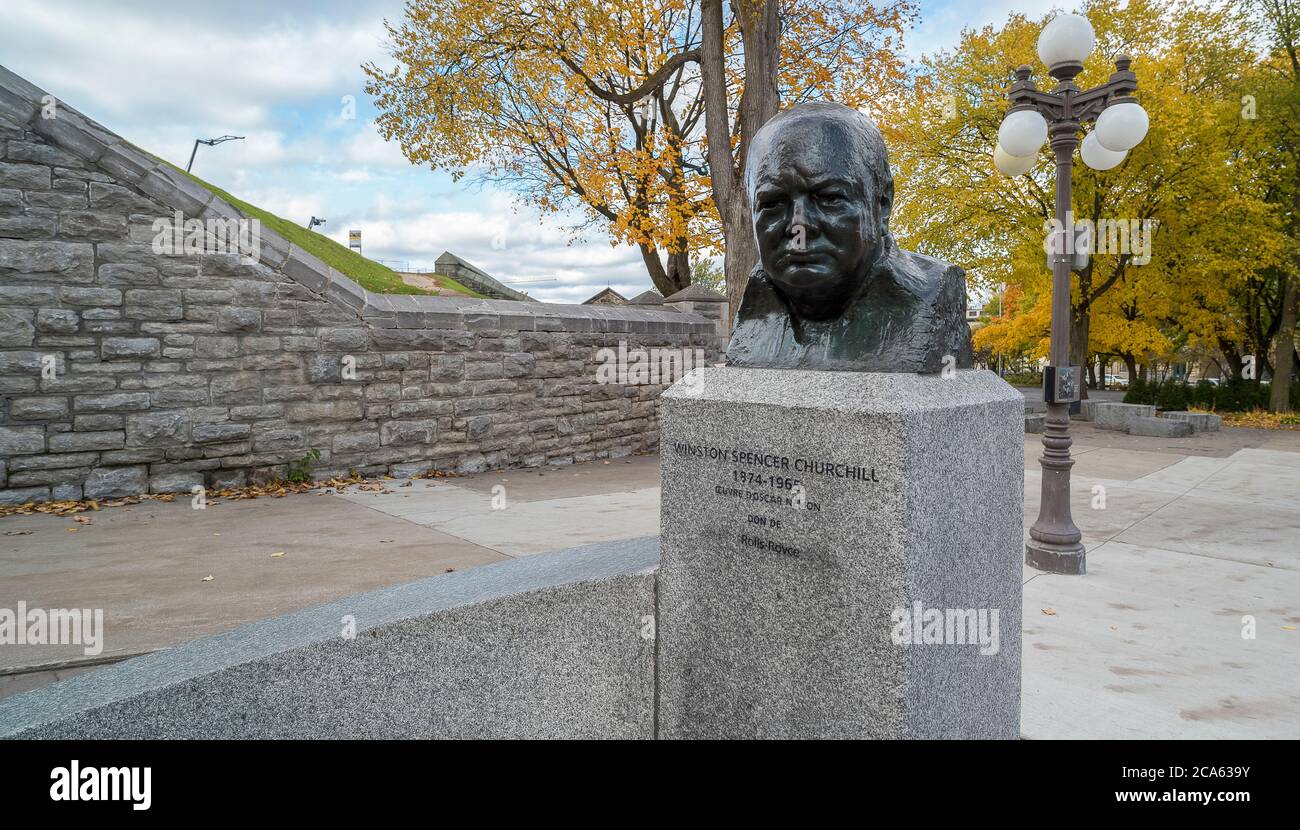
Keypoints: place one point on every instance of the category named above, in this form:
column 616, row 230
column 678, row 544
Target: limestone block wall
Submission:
column 125, row 371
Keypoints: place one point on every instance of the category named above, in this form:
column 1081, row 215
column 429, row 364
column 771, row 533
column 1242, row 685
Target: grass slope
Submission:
column 369, row 274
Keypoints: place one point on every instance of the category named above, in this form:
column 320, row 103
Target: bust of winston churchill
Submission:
column 833, row 291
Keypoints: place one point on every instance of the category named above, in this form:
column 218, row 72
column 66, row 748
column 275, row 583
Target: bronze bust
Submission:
column 833, row 291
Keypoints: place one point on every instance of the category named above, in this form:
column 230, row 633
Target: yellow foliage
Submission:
column 569, row 102
column 1201, row 178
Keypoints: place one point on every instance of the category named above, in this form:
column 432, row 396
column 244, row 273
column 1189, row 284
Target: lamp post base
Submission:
column 1056, row 559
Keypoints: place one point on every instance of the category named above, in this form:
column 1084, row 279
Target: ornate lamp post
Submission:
column 1034, row 117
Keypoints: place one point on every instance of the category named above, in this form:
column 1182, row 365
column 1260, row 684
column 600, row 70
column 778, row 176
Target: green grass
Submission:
column 369, row 274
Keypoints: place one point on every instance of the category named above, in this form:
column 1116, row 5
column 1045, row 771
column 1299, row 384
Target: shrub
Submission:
column 1240, row 396
column 1024, row 379
column 1172, row 396
column 1203, row 395
column 1140, row 391
column 300, row 470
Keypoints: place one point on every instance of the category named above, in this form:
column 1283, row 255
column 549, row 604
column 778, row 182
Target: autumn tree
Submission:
column 635, row 111
column 580, row 103
column 1195, row 182
column 1278, row 111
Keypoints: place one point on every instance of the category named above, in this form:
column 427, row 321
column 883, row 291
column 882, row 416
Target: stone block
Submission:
column 157, row 429
column 21, row 440
column 178, row 482
column 116, row 482
column 129, row 401
column 112, row 347
column 1199, row 421
column 126, row 162
column 24, row 176
column 87, row 441
column 39, row 409
column 815, row 526
column 1116, row 416
column 24, row 495
column 1158, row 427
column 16, row 328
column 73, row 131
column 57, row 321
column 91, row 224
column 408, row 432
column 175, row 189
column 210, row 433
column 1035, row 422
column 59, row 262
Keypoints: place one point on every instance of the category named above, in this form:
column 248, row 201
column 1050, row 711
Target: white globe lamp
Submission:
column 1068, row 38
column 1122, row 126
column 1022, row 133
column 1096, row 156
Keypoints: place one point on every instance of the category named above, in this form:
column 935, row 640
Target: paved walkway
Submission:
column 1195, row 533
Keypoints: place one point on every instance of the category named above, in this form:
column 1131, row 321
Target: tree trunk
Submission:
column 1130, row 366
column 666, row 281
column 1233, row 358
column 760, row 32
column 1280, row 392
column 679, row 270
column 1080, row 322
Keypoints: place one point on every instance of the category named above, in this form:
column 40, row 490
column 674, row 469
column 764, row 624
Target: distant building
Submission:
column 696, row 299
column 606, row 296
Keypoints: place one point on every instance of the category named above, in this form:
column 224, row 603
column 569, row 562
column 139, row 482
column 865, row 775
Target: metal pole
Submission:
column 1054, row 544
column 192, row 152
column 1002, row 366
column 1054, row 541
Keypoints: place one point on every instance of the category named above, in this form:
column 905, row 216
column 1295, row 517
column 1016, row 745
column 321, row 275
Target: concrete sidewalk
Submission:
column 1195, row 534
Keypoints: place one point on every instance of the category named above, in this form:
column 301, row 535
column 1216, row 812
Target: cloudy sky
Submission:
column 164, row 73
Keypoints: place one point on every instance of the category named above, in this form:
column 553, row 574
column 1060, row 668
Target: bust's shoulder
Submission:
column 929, row 278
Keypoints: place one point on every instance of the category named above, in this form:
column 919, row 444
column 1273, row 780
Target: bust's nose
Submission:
column 802, row 215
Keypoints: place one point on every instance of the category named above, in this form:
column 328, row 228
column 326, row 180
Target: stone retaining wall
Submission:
column 124, row 371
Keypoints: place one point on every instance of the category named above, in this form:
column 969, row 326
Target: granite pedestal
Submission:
column 814, row 526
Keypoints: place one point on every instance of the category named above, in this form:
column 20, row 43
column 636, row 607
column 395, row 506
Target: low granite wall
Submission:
column 124, row 370
column 548, row 646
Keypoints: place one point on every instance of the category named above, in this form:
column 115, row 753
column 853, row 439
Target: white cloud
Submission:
column 169, row 62
column 366, row 146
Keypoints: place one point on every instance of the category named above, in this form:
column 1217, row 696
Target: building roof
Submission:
column 696, row 293
column 606, row 296
column 647, row 298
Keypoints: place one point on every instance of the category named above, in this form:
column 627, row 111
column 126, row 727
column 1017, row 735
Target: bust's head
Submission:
column 820, row 192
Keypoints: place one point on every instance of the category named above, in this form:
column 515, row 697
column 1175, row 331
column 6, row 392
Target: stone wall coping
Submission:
column 291, row 632
column 21, row 102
